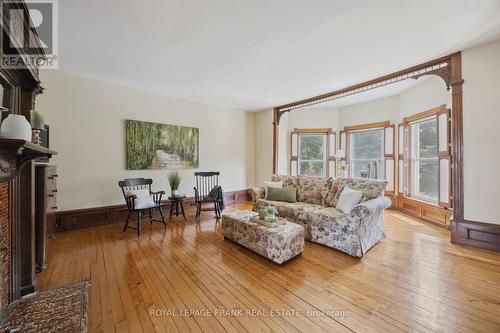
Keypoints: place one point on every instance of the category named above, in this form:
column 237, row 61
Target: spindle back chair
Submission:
column 205, row 182
column 128, row 186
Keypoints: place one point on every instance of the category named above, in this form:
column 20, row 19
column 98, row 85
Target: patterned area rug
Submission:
column 57, row 310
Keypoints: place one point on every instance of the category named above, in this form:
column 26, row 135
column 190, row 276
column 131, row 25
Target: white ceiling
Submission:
column 252, row 55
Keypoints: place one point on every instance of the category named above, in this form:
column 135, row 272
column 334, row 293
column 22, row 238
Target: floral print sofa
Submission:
column 315, row 210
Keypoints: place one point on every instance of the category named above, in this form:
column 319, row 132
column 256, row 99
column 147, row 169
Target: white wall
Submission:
column 87, row 128
column 424, row 96
column 370, row 112
column 263, row 146
column 481, row 102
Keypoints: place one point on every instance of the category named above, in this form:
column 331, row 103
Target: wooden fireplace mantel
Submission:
column 14, row 154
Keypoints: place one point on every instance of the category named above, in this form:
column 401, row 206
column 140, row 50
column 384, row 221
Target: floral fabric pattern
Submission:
column 256, row 193
column 288, row 181
column 371, row 189
column 353, row 234
column 312, row 189
column 279, row 243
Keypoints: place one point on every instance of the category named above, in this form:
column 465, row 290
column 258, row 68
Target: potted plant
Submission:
column 343, row 170
column 174, row 179
column 268, row 213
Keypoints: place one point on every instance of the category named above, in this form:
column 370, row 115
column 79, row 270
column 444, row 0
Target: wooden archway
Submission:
column 448, row 68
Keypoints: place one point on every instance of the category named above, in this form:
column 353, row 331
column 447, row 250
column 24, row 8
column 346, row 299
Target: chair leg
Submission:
column 139, row 216
column 198, row 211
column 216, row 210
column 162, row 217
column 150, row 217
column 126, row 223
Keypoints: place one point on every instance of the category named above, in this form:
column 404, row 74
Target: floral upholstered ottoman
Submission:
column 279, row 243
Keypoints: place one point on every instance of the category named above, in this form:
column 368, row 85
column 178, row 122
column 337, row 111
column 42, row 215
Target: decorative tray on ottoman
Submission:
column 271, row 224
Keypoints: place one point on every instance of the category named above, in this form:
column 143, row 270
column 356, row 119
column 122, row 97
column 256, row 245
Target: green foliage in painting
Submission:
column 161, row 146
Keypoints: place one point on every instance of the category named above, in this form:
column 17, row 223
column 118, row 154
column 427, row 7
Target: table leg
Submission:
column 182, row 208
column 171, row 210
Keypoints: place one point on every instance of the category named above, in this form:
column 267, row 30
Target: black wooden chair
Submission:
column 208, row 191
column 128, row 187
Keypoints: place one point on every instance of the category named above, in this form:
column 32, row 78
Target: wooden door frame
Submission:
column 449, row 69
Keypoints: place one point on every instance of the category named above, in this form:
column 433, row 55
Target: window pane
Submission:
column 367, row 144
column 367, row 154
column 312, row 147
column 312, row 168
column 425, row 162
column 428, row 179
column 428, row 139
column 368, row 169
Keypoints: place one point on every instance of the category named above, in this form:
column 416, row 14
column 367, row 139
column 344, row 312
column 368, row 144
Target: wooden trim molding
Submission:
column 478, row 234
column 93, row 217
column 380, row 124
column 448, row 68
column 421, row 115
column 313, row 130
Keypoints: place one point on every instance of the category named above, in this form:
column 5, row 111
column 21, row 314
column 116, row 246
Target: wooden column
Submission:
column 457, row 147
column 276, row 127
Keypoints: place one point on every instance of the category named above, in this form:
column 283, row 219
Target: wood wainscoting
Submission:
column 477, row 234
column 421, row 210
column 91, row 217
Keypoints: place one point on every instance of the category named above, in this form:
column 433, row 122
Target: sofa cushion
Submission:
column 348, row 199
column 298, row 211
column 313, row 189
column 288, row 194
column 288, row 181
column 371, row 189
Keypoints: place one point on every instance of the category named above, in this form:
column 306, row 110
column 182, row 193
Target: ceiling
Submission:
column 253, row 55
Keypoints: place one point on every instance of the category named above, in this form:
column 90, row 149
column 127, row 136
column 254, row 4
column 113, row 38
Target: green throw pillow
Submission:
column 288, row 194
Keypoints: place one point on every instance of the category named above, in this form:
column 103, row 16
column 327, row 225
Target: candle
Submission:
column 37, row 120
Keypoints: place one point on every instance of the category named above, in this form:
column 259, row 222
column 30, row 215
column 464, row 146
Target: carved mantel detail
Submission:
column 14, row 154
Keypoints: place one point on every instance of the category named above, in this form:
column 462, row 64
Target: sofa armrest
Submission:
column 370, row 207
column 256, row 193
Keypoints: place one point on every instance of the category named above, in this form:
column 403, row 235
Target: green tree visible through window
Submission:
column 312, row 154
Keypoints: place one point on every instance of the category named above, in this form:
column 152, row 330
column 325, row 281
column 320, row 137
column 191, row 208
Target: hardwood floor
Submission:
column 414, row 280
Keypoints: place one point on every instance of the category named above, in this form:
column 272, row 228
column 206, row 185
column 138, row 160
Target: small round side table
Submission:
column 176, row 206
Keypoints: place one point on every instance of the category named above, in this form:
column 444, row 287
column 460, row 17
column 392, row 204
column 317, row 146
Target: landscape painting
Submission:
column 161, row 146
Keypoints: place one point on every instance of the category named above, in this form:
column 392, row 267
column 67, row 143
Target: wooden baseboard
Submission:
column 92, row 217
column 477, row 234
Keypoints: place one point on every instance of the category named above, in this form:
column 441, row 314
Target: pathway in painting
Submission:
column 164, row 160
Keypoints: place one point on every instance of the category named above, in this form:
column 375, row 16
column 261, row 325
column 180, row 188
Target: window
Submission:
column 424, row 160
column 312, row 155
column 366, row 153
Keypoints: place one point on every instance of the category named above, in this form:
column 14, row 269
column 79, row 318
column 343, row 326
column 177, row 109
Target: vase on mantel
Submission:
column 16, row 126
